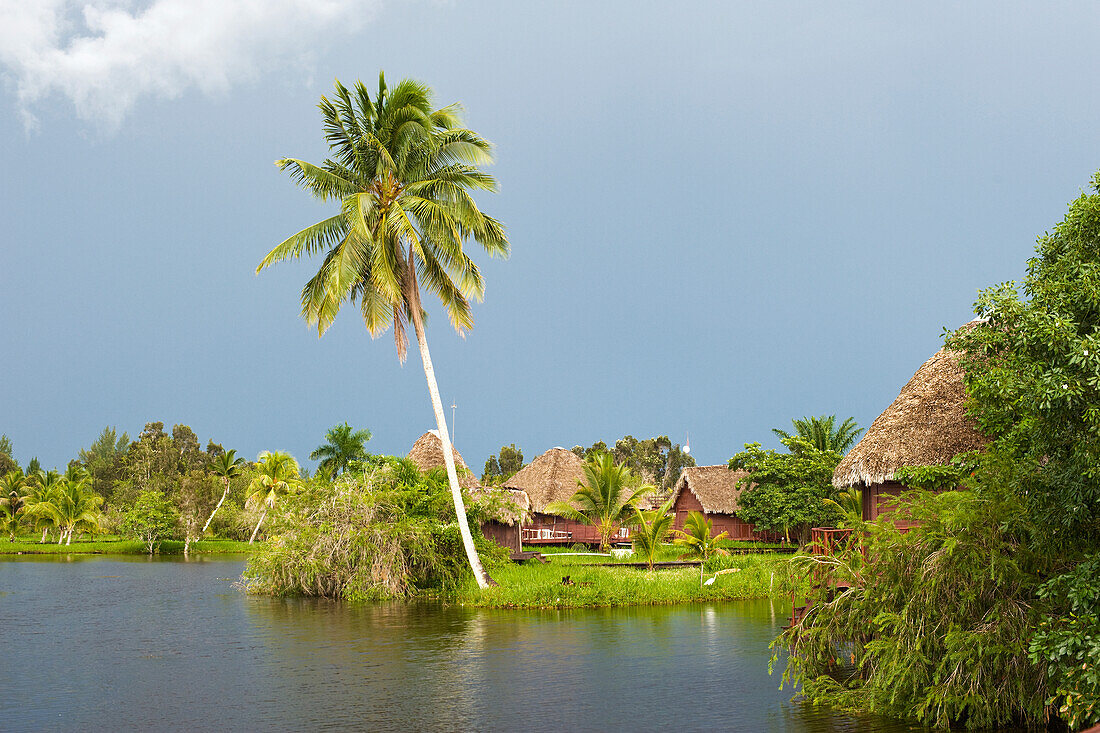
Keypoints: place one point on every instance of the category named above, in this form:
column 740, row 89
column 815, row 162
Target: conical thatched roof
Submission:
column 427, row 453
column 714, row 486
column 553, row 476
column 926, row 426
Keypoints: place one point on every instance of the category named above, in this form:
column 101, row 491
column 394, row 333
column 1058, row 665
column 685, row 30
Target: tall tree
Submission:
column 105, row 460
column 499, row 470
column 226, row 466
column 276, row 474
column 603, row 499
column 12, row 502
column 823, row 432
column 403, row 173
column 343, row 444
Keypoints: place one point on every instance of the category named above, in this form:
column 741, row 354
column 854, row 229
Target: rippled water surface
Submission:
column 95, row 643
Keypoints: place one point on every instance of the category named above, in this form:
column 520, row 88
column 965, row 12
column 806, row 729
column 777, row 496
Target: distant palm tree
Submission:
column 824, row 433
column 276, row 474
column 12, row 503
column 227, row 466
column 403, row 174
column 39, row 492
column 342, row 446
column 697, row 537
column 66, row 502
column 602, row 497
column 650, row 530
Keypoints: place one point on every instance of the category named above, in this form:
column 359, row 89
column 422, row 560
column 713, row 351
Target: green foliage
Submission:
column 535, row 585
column 938, row 478
column 656, row 461
column 650, row 530
column 1067, row 643
column 390, row 532
column 823, row 432
column 342, row 445
column 7, row 456
column 105, row 461
column 935, row 626
column 788, row 492
column 603, row 500
column 12, row 502
column 152, row 519
column 497, row 471
column 698, row 538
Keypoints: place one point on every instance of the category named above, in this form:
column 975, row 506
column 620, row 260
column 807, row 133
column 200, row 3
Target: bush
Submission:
column 152, row 519
column 385, row 533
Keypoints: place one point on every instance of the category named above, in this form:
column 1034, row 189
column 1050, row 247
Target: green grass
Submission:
column 117, row 546
column 537, row 585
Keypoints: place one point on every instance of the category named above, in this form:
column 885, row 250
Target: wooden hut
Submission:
column 554, row 476
column 509, row 507
column 714, row 491
column 927, row 425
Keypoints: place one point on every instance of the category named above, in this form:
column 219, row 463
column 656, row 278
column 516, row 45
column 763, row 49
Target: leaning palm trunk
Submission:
column 219, row 506
column 482, row 577
column 257, row 530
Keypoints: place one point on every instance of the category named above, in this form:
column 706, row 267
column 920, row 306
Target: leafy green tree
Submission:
column 403, row 173
column 105, row 460
column 152, row 519
column 497, row 471
column 699, row 539
column 650, row 530
column 7, row 457
column 276, row 474
column 788, row 491
column 823, row 432
column 603, row 499
column 342, row 446
column 1032, row 361
column 226, row 466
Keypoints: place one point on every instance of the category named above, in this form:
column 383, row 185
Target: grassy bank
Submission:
column 537, row 585
column 117, row 546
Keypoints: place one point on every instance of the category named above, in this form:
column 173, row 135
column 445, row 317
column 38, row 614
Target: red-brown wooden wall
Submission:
column 738, row 528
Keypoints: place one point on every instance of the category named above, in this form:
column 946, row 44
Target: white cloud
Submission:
column 103, row 55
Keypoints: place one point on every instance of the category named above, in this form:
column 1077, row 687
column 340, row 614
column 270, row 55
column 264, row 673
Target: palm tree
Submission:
column 277, row 473
column 342, row 446
column 602, row 497
column 824, row 433
column 77, row 506
column 40, row 490
column 651, row 530
column 697, row 537
column 227, row 466
column 12, row 503
column 403, row 174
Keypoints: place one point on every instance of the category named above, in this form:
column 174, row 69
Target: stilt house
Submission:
column 926, row 425
column 714, row 491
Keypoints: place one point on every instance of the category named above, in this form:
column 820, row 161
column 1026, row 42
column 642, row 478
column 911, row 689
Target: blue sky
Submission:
column 722, row 215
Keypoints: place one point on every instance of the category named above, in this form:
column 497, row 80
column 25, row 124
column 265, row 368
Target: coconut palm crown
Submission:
column 403, row 174
column 603, row 499
column 342, row 445
column 824, row 433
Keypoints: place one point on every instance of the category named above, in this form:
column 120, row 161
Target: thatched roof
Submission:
column 427, row 453
column 553, row 476
column 926, row 426
column 714, row 486
column 507, row 506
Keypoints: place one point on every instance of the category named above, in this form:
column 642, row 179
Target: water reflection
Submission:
column 121, row 643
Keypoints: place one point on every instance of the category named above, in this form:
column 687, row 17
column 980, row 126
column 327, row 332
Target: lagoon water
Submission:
column 98, row 643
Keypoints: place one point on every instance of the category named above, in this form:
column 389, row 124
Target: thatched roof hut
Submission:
column 427, row 453
column 553, row 476
column 926, row 425
column 714, row 486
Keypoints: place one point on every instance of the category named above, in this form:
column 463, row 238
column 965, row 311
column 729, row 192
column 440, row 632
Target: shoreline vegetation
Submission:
column 120, row 546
